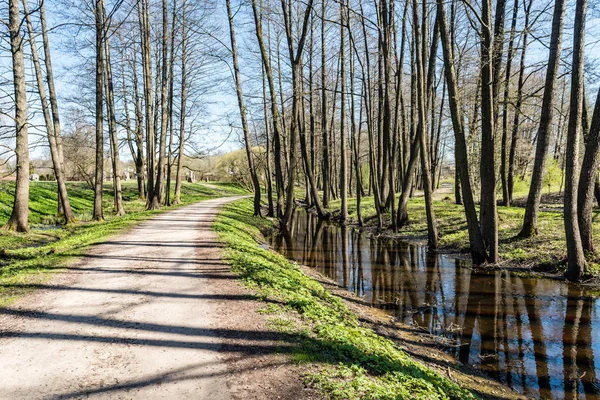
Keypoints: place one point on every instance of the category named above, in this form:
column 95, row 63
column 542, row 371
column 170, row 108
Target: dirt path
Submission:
column 153, row 313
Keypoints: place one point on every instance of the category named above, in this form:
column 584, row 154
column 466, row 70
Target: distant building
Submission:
column 34, row 177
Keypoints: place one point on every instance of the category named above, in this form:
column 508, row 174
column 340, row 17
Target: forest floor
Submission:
column 543, row 255
column 152, row 313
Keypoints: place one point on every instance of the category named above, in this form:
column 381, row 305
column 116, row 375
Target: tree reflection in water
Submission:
column 535, row 335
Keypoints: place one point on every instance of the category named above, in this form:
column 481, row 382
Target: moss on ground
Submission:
column 28, row 259
column 346, row 359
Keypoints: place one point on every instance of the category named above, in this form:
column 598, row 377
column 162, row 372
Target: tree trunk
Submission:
column 242, row 107
column 159, row 188
column 544, row 131
column 183, row 105
column 139, row 135
column 504, row 147
column 588, row 181
column 143, row 15
column 355, row 131
column 575, row 255
column 343, row 153
column 18, row 218
column 271, row 212
column 432, row 231
column 112, row 122
column 62, row 188
column 167, row 200
column 277, row 132
column 324, row 131
column 295, row 56
column 516, row 121
column 99, row 176
column 478, row 250
column 63, row 198
column 489, row 216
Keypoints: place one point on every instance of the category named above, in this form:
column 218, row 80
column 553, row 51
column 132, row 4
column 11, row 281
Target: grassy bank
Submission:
column 28, row 259
column 545, row 252
column 346, row 360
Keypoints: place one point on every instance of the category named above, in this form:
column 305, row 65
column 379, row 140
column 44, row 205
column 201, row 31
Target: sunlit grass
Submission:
column 28, row 258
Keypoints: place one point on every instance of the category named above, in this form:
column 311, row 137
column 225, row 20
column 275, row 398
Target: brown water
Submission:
column 539, row 336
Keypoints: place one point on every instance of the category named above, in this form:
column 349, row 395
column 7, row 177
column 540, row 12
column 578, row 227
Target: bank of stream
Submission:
column 538, row 336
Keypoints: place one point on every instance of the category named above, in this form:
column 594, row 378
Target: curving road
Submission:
column 154, row 313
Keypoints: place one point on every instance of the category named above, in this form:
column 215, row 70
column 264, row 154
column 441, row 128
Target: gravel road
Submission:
column 153, row 313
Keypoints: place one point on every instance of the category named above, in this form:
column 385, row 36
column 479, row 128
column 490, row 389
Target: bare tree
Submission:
column 183, row 105
column 575, row 256
column 547, row 114
column 478, row 250
column 52, row 122
column 112, row 122
column 489, row 216
column 20, row 210
column 588, row 181
column 99, row 176
column 242, row 107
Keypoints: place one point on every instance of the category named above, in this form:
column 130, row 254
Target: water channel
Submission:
column 538, row 336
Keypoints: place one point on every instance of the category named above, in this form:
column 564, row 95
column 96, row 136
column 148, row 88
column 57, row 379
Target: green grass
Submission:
column 347, row 360
column 26, row 259
column 546, row 251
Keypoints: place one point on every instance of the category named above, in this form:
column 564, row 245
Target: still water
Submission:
column 539, row 336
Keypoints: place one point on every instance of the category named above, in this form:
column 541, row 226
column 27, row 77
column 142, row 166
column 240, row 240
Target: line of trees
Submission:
column 379, row 94
column 342, row 98
column 146, row 89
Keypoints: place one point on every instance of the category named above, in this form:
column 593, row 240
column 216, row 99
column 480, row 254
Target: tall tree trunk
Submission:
column 271, row 212
column 62, row 188
column 277, row 132
column 183, row 104
column 18, row 218
column 343, row 153
column 295, row 56
column 478, row 250
column 504, row 146
column 143, row 15
column 489, row 216
column 387, row 17
column 99, row 176
column 55, row 155
column 242, row 107
column 167, row 200
column 432, row 231
column 159, row 188
column 575, row 255
column 112, row 122
column 139, row 133
column 324, row 131
column 355, row 131
column 588, row 181
column 544, row 131
column 516, row 120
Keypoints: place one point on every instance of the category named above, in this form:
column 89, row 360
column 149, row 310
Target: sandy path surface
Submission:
column 153, row 313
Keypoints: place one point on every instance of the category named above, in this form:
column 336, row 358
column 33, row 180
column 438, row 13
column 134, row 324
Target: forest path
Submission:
column 153, row 313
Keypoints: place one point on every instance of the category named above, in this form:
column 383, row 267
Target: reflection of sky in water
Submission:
column 516, row 329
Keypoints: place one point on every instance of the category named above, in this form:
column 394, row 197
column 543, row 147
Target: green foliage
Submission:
column 352, row 362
